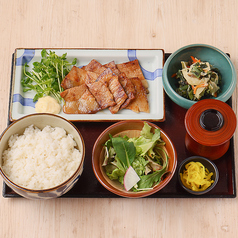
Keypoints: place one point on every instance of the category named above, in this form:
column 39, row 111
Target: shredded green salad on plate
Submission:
column 146, row 154
column 197, row 79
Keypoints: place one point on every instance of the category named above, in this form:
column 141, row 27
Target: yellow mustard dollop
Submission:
column 196, row 177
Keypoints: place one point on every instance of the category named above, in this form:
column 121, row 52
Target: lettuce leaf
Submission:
column 147, row 140
column 125, row 150
column 139, row 165
column 150, row 180
column 116, row 170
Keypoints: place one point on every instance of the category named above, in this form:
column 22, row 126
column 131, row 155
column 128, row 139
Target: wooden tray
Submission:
column 89, row 187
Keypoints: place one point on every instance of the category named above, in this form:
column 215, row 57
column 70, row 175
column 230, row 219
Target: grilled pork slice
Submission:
column 111, row 81
column 113, row 67
column 101, row 92
column 118, row 93
column 140, row 102
column 128, row 87
column 75, row 77
column 92, row 77
column 79, row 100
column 105, row 76
column 94, row 66
column 132, row 69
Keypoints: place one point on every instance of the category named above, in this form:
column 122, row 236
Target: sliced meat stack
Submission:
column 95, row 87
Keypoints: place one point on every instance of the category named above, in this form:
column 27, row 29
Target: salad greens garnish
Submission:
column 46, row 76
column 146, row 154
column 197, row 79
column 124, row 150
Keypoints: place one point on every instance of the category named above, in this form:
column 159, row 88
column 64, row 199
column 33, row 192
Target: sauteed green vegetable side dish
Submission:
column 146, row 154
column 197, row 79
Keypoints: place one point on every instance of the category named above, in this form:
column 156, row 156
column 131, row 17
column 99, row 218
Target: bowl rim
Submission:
column 186, row 103
column 124, row 193
column 192, row 158
column 7, row 180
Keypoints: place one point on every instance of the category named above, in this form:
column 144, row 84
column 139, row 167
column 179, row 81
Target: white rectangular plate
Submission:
column 151, row 62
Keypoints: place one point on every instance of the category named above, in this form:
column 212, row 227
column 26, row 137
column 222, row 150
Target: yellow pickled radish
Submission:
column 196, row 177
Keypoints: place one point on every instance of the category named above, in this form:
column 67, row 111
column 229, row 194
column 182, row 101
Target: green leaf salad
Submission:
column 46, row 76
column 146, row 154
column 197, row 79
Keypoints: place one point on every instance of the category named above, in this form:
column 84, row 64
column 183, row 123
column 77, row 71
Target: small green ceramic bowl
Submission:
column 214, row 56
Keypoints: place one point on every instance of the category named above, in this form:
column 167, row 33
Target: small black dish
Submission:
column 207, row 164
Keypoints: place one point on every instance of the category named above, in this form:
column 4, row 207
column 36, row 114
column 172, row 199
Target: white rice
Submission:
column 41, row 159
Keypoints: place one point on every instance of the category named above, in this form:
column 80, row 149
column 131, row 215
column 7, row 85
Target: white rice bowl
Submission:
column 41, row 159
